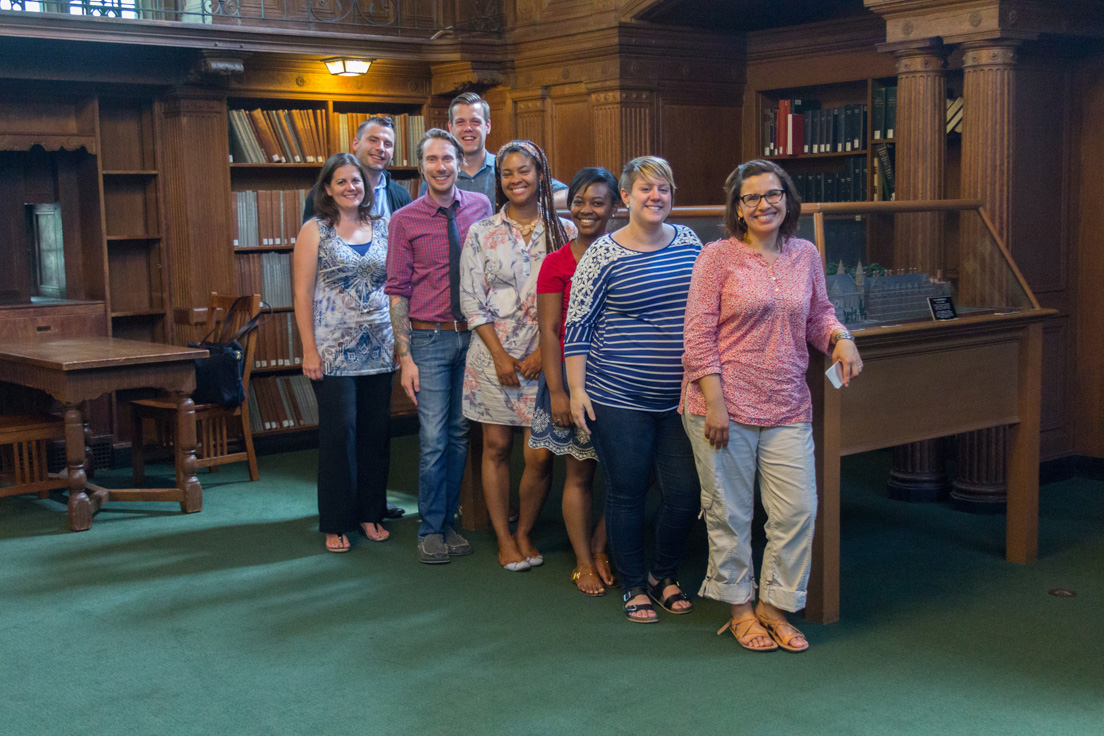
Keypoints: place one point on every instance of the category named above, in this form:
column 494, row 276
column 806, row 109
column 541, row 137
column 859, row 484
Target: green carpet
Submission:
column 235, row 620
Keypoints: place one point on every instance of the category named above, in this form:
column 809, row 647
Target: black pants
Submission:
column 354, row 450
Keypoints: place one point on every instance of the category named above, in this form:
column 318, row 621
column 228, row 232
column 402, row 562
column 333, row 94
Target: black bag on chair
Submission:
column 219, row 376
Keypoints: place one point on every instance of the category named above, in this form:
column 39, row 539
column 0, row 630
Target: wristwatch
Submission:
column 842, row 335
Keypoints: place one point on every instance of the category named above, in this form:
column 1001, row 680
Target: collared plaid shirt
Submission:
column 418, row 253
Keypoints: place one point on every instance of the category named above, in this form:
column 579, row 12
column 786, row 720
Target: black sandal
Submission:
column 655, row 592
column 633, row 608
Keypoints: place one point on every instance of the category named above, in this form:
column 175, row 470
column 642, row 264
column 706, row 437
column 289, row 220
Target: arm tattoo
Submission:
column 400, row 324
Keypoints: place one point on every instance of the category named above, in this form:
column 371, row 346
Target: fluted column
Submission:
column 919, row 468
column 623, row 123
column 987, row 108
column 196, row 147
column 921, row 150
column 531, row 114
column 989, row 69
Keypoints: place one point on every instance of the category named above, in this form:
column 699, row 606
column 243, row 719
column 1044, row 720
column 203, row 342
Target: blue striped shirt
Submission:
column 626, row 314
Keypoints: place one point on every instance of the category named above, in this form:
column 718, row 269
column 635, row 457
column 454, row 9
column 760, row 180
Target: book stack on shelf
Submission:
column 282, row 402
column 884, row 122
column 267, row 218
column 954, row 115
column 848, row 185
column 409, row 129
column 267, row 273
column 884, row 181
column 800, row 127
column 278, row 343
column 277, row 136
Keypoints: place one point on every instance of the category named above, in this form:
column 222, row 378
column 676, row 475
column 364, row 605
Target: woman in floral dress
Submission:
column 498, row 275
column 348, row 350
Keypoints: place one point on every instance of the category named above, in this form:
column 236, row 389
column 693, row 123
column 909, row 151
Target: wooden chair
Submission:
column 23, row 441
column 216, row 427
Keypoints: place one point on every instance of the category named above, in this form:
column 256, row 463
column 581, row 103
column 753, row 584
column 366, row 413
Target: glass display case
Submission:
column 885, row 261
column 890, row 268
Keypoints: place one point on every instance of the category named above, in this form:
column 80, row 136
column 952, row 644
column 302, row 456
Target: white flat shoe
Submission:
column 535, row 561
column 521, row 566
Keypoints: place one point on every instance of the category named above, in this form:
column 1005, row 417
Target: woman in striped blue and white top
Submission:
column 623, row 349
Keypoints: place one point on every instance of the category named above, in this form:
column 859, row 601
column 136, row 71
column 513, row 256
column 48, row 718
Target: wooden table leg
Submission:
column 184, row 452
column 1022, row 522
column 823, row 602
column 80, row 507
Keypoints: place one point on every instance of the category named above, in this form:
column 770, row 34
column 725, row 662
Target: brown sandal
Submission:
column 747, row 628
column 602, row 559
column 339, row 545
column 783, row 632
column 581, row 572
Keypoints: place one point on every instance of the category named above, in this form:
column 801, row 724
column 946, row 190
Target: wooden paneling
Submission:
column 571, row 141
column 1089, row 214
column 130, row 205
column 197, row 215
column 702, row 143
column 1038, row 241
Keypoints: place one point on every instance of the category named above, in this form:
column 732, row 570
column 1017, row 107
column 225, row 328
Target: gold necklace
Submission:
column 525, row 230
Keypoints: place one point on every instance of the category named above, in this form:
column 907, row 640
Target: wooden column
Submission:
column 987, row 131
column 921, row 150
column 531, row 117
column 918, row 468
column 623, row 123
column 197, row 206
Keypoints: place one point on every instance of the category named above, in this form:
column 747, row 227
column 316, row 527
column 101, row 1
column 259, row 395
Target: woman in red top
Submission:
column 755, row 300
column 592, row 201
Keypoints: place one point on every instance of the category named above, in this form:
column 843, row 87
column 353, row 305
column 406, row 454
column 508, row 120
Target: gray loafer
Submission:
column 432, row 550
column 456, row 545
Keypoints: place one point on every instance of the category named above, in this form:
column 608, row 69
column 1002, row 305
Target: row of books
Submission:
column 409, row 129
column 798, row 127
column 282, row 402
column 884, row 114
column 277, row 136
column 848, row 185
column 277, row 342
column 954, row 115
column 884, row 181
column 267, row 217
column 267, row 274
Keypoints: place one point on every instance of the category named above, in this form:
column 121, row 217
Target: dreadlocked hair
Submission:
column 553, row 229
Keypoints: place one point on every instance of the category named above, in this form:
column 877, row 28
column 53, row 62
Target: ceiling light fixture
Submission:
column 347, row 66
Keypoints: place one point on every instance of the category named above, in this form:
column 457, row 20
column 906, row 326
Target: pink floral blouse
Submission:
column 749, row 322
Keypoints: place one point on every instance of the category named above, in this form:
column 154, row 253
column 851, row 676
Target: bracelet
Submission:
column 842, row 335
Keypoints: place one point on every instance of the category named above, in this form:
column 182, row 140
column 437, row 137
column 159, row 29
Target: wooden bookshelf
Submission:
column 850, row 170
column 279, row 353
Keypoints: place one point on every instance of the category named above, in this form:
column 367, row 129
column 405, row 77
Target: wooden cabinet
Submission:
column 132, row 201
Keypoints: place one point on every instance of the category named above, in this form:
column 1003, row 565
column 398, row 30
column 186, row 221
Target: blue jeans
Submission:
column 631, row 445
column 442, row 429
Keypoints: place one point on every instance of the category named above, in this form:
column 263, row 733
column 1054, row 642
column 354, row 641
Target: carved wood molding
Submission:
column 51, row 142
column 451, row 78
column 812, row 39
column 957, row 21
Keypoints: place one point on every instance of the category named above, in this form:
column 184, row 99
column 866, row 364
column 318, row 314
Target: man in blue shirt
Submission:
column 469, row 123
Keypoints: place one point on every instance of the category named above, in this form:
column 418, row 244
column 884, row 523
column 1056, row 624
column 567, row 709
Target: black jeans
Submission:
column 630, row 445
column 354, row 450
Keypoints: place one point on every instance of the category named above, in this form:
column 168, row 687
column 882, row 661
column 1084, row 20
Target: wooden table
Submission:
column 80, row 369
column 920, row 382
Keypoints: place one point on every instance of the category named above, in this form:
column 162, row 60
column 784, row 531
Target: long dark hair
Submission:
column 735, row 227
column 557, row 238
column 324, row 207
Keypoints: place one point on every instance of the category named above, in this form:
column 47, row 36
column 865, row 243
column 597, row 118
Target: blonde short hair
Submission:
column 652, row 167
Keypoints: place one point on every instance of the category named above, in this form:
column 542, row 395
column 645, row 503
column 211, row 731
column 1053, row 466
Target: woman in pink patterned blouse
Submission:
column 755, row 300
